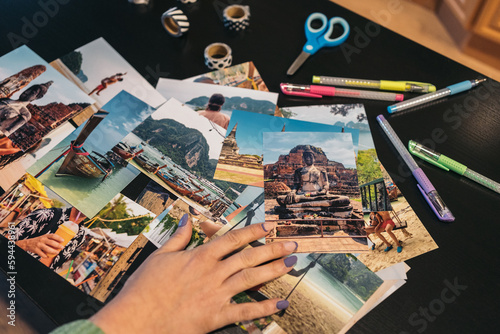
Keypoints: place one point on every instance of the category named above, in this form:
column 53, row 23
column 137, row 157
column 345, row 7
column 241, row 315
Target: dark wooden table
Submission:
column 464, row 126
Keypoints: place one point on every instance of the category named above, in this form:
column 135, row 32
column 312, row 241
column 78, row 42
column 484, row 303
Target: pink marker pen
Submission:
column 316, row 91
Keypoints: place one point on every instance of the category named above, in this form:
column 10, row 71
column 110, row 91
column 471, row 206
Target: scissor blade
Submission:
column 298, row 62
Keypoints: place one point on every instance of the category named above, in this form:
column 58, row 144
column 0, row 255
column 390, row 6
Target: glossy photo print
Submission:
column 368, row 165
column 101, row 73
column 325, row 291
column 397, row 235
column 179, row 150
column 243, row 75
column 107, row 237
column 312, row 192
column 165, row 225
column 149, row 194
column 35, row 101
column 38, row 214
column 217, row 102
column 82, row 168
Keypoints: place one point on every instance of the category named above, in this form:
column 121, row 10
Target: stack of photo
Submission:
column 91, row 152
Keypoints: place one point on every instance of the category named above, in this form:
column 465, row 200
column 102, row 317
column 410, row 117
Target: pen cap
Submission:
column 323, row 90
column 399, row 86
column 452, row 164
column 425, row 153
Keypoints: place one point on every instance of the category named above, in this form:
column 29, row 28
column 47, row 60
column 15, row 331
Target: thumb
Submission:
column 180, row 239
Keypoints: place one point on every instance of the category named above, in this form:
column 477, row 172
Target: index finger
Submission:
column 236, row 239
column 55, row 237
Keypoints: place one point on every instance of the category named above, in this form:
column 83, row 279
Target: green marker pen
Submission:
column 447, row 164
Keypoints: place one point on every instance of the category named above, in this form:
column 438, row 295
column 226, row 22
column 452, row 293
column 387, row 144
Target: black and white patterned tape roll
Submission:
column 218, row 55
column 236, row 17
column 175, row 22
column 139, row 2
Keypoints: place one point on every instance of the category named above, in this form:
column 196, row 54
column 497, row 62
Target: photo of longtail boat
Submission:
column 79, row 162
column 125, row 151
column 146, row 163
column 82, row 168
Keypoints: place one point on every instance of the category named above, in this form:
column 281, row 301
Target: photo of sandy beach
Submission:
column 322, row 294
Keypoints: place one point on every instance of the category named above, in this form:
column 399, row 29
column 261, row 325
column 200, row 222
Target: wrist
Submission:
column 23, row 244
column 121, row 315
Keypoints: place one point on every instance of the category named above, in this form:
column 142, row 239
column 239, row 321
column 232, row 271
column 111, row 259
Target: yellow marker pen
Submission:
column 400, row 86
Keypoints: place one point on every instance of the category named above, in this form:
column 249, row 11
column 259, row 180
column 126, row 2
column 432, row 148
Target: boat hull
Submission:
column 122, row 153
column 146, row 166
column 84, row 166
column 175, row 187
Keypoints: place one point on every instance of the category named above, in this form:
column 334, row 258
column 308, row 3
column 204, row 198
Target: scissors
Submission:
column 319, row 37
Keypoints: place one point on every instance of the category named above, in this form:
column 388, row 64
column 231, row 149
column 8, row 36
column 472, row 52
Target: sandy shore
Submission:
column 418, row 243
column 154, row 202
column 309, row 308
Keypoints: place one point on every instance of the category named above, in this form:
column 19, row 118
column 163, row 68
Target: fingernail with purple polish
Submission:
column 282, row 304
column 184, row 220
column 266, row 227
column 296, row 246
column 290, row 261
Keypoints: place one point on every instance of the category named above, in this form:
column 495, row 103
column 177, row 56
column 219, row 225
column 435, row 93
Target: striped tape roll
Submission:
column 175, row 22
column 236, row 17
column 139, row 2
column 218, row 55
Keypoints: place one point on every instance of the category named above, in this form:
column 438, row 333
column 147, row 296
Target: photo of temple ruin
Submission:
column 312, row 191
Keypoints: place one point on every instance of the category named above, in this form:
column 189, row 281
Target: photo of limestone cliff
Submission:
column 178, row 150
column 311, row 191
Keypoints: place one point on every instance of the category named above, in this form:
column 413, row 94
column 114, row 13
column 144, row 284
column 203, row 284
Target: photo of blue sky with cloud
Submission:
column 61, row 90
column 338, row 147
column 251, row 126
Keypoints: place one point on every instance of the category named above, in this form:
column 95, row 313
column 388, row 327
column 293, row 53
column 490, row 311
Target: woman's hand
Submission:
column 177, row 291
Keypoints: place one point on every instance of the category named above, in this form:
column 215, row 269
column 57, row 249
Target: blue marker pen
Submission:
column 450, row 90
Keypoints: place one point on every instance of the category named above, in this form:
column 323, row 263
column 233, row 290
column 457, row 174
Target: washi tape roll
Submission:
column 218, row 55
column 139, row 2
column 236, row 17
column 175, row 22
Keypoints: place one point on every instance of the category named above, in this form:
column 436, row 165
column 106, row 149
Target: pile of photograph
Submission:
column 95, row 164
